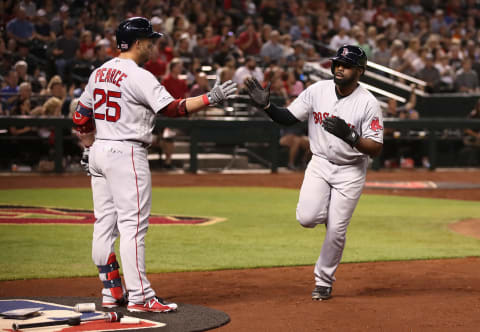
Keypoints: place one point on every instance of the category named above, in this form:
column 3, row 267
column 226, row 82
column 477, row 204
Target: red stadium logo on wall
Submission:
column 11, row 214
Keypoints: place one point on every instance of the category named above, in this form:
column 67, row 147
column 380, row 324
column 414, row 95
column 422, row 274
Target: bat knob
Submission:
column 74, row 321
column 15, row 327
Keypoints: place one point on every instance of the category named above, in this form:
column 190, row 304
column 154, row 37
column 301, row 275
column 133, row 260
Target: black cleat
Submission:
column 321, row 293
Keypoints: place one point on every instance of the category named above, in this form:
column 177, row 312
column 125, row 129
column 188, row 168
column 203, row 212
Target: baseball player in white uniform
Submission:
column 345, row 125
column 115, row 117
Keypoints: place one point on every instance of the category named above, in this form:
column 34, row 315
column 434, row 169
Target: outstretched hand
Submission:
column 338, row 127
column 260, row 96
column 220, row 92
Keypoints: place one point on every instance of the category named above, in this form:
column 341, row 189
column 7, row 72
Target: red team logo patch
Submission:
column 375, row 125
column 39, row 215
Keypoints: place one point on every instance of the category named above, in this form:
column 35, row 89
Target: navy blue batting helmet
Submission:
column 133, row 29
column 350, row 54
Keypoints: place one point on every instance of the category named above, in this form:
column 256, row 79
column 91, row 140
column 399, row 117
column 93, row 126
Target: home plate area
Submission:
column 60, row 310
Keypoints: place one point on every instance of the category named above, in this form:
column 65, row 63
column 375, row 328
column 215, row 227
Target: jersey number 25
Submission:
column 107, row 97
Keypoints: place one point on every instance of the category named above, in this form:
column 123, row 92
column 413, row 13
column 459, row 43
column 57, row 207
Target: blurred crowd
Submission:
column 48, row 48
column 48, row 41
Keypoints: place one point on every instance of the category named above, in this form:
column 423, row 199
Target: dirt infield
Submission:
column 437, row 295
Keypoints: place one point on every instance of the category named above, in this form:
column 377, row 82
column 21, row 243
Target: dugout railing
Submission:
column 235, row 130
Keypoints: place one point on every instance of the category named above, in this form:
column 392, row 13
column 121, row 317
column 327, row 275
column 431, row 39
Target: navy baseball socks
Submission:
column 321, row 293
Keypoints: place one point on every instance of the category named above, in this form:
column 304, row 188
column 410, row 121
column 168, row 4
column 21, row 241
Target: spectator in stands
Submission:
column 228, row 70
column 455, row 55
column 382, row 54
column 201, row 85
column 286, row 44
column 340, row 39
column 300, row 30
column 22, row 109
column 293, row 85
column 249, row 40
column 182, row 49
column 270, row 12
column 397, row 61
column 278, row 89
column 265, row 32
column 176, row 86
column 101, row 56
column 272, row 50
column 211, row 40
column 437, row 21
column 419, row 63
column 361, row 41
column 156, row 65
column 372, row 36
column 52, row 107
column 108, row 41
column 64, row 51
column 298, row 52
column 21, row 67
column 430, row 74
column 447, row 74
column 9, row 92
column 25, row 54
column 403, row 112
column 24, row 93
column 296, row 140
column 61, row 20
column 466, row 78
column 42, row 29
column 250, row 69
column 87, row 45
column 412, row 51
column 469, row 155
column 310, row 53
column 20, row 28
column 415, row 7
column 157, row 24
column 406, row 34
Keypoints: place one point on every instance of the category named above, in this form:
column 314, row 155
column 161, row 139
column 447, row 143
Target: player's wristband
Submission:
column 206, row 102
column 352, row 139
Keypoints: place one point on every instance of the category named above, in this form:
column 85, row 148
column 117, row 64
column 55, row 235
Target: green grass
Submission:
column 260, row 231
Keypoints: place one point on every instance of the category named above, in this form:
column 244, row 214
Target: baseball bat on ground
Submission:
column 109, row 317
column 71, row 321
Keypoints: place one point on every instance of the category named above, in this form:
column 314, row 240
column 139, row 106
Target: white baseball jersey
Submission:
column 124, row 98
column 360, row 110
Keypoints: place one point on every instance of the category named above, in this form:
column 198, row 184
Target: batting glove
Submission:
column 260, row 96
column 84, row 161
column 220, row 92
column 338, row 127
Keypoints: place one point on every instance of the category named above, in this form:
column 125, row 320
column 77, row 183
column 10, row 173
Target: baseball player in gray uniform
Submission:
column 115, row 116
column 345, row 125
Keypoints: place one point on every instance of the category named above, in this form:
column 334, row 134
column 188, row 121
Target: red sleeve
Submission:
column 176, row 108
